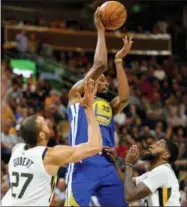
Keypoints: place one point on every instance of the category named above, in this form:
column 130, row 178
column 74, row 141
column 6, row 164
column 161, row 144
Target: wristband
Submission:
column 129, row 164
column 118, row 60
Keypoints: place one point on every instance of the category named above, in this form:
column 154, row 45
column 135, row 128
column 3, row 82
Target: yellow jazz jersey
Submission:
column 164, row 186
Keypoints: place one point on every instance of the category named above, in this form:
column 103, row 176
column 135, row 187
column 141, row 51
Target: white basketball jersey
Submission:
column 164, row 186
column 30, row 183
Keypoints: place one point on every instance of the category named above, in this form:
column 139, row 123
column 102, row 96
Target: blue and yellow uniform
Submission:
column 95, row 175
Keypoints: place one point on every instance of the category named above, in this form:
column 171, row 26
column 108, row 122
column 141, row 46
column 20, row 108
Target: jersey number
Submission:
column 26, row 184
column 105, row 108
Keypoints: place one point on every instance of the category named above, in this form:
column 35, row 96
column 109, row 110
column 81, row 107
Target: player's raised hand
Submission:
column 127, row 44
column 90, row 89
column 97, row 19
column 132, row 155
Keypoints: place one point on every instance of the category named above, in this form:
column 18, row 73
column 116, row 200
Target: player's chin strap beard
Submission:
column 105, row 96
column 149, row 157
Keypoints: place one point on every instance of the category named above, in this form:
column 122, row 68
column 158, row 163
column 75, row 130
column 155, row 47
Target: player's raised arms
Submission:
column 100, row 60
column 122, row 100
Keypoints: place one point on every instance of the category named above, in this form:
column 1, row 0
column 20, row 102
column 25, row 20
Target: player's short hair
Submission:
column 29, row 130
column 173, row 149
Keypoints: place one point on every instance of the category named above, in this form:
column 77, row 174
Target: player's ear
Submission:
column 166, row 156
column 41, row 137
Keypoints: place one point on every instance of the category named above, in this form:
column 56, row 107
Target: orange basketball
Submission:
column 113, row 15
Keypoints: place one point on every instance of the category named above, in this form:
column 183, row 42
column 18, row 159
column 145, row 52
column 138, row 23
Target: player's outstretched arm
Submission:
column 122, row 100
column 61, row 155
column 100, row 60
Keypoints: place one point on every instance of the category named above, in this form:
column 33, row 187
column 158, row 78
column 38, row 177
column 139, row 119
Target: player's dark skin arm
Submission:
column 112, row 155
column 100, row 61
column 122, row 100
column 120, row 173
column 133, row 192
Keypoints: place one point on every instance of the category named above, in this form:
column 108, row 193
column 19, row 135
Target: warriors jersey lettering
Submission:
column 103, row 111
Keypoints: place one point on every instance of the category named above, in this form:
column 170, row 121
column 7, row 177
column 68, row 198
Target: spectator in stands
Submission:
column 8, row 139
column 60, row 190
column 22, row 42
column 33, row 44
column 14, row 92
column 51, row 99
column 158, row 132
column 154, row 110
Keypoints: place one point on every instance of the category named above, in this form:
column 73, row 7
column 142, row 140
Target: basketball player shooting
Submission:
column 33, row 166
column 97, row 175
column 157, row 187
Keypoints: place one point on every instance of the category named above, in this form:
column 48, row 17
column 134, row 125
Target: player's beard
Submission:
column 148, row 156
column 104, row 95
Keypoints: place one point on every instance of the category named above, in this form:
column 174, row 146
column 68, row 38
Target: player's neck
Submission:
column 157, row 163
column 41, row 144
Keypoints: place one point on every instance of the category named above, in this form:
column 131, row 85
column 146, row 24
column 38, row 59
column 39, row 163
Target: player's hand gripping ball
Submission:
column 113, row 15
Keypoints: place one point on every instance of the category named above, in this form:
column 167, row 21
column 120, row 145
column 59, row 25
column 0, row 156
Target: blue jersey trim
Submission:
column 74, row 109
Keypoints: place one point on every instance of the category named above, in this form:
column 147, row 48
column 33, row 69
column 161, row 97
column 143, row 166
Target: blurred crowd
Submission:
column 138, row 13
column 160, row 27
column 157, row 109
